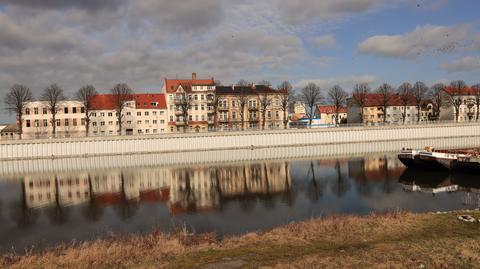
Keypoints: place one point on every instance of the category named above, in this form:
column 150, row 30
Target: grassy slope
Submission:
column 401, row 240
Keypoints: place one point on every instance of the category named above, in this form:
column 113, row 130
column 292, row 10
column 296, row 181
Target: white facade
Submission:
column 37, row 120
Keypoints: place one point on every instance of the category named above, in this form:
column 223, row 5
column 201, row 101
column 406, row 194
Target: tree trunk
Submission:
column 20, row 125
column 384, row 114
column 285, row 120
column 418, row 113
column 54, row 125
column 87, row 124
column 263, row 120
column 404, row 114
column 311, row 117
column 478, row 111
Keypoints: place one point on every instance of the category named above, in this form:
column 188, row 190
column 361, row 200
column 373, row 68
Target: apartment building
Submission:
column 373, row 111
column 143, row 114
column 37, row 120
column 190, row 104
column 466, row 98
column 327, row 115
column 229, row 109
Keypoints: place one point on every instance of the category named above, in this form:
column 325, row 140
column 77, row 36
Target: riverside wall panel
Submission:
column 170, row 143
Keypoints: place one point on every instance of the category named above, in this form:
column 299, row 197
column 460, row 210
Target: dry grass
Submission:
column 396, row 240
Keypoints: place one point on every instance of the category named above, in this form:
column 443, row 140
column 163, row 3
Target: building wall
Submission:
column 37, row 120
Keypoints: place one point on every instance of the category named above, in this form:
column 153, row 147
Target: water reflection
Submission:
column 45, row 209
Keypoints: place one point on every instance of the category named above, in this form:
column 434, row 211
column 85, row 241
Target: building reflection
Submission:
column 191, row 189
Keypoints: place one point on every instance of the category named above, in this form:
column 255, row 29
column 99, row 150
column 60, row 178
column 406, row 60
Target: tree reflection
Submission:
column 58, row 214
column 21, row 213
column 342, row 184
column 127, row 208
column 91, row 211
column 288, row 195
column 314, row 190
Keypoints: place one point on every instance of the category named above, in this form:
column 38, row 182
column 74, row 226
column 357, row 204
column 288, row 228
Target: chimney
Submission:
column 194, row 76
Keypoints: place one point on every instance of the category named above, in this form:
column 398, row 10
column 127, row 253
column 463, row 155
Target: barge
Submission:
column 461, row 160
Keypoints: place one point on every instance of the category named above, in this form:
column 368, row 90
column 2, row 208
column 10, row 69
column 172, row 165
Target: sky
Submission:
column 141, row 42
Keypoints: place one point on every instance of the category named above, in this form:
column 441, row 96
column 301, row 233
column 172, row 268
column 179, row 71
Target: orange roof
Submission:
column 171, row 85
column 330, row 109
column 147, row 101
column 103, row 102
column 142, row 101
column 376, row 99
column 464, row 91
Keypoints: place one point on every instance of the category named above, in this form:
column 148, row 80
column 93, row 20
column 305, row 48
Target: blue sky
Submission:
column 328, row 42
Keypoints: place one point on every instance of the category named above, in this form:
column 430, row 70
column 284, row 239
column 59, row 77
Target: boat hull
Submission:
column 466, row 166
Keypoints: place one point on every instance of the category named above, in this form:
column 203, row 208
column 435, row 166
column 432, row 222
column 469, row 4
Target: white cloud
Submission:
column 325, row 41
column 422, row 40
column 346, row 82
column 465, row 64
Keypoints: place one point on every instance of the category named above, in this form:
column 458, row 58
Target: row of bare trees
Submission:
column 19, row 96
column 440, row 96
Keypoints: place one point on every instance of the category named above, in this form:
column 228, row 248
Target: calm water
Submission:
column 46, row 209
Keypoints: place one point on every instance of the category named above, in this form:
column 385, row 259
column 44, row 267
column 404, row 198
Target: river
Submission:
column 46, row 209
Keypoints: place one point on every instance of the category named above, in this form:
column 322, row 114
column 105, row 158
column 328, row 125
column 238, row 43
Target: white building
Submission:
column 37, row 120
column 143, row 114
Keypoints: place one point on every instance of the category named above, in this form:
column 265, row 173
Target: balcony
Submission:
column 180, row 123
column 178, row 112
column 252, row 108
column 210, row 101
column 223, row 120
column 222, row 108
column 180, row 101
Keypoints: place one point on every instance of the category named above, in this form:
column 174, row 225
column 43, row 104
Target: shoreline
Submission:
column 390, row 240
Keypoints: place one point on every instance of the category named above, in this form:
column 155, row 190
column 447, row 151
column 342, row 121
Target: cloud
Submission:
column 465, row 64
column 422, row 40
column 302, row 11
column 91, row 5
column 346, row 82
column 325, row 41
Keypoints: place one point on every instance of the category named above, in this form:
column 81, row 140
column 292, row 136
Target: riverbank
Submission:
column 394, row 240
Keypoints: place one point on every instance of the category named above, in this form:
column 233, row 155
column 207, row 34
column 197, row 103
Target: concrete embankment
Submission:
column 168, row 149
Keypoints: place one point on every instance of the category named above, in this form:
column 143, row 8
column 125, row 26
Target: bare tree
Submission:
column 360, row 94
column 265, row 100
column 218, row 83
column 53, row 95
column 405, row 94
column 214, row 100
column 242, row 103
column 16, row 101
column 286, row 97
column 454, row 96
column 419, row 92
column 265, row 83
column 122, row 93
column 386, row 94
column 85, row 95
column 311, row 96
column 338, row 98
column 437, row 95
column 184, row 105
column 476, row 92
column 242, row 82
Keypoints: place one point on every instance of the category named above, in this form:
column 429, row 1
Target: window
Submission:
column 147, row 122
column 65, row 110
column 74, row 110
column 37, row 123
column 155, row 131
column 234, row 114
column 27, row 111
column 203, row 107
column 196, row 107
column 74, row 122
column 93, row 114
column 269, row 114
column 139, row 114
column 154, row 113
column 277, row 114
column 66, row 122
column 147, row 113
column 139, row 122
column 162, row 121
column 45, row 123
column 102, row 114
column 83, row 122
column 102, row 123
column 190, row 117
column 147, row 131
column 129, row 113
column 110, row 123
column 35, row 111
column 82, row 110
column 171, row 118
column 196, row 97
column 110, row 114
column 94, row 124
column 154, row 121
column 203, row 117
column 202, row 97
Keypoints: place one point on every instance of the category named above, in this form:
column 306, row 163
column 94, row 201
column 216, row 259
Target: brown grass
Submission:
column 395, row 240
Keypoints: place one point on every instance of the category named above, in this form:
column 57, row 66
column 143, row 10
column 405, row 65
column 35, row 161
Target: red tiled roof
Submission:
column 103, row 102
column 330, row 109
column 146, row 100
column 142, row 101
column 464, row 91
column 171, row 85
column 376, row 99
